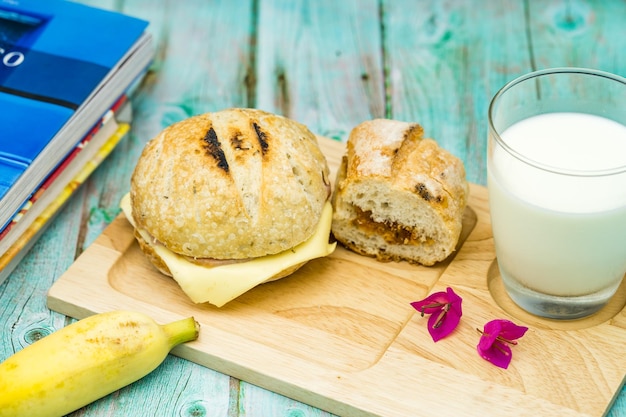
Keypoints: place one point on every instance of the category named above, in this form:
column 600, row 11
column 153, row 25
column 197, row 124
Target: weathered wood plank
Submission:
column 444, row 67
column 578, row 34
column 320, row 63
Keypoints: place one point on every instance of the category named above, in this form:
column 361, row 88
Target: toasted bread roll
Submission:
column 234, row 184
column 398, row 196
column 225, row 201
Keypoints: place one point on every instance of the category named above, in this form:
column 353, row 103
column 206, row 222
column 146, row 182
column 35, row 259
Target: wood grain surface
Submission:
column 329, row 64
column 340, row 333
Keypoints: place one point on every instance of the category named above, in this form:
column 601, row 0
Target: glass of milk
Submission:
column 557, row 189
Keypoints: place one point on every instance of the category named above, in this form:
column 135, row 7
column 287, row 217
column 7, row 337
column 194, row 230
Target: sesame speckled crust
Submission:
column 233, row 184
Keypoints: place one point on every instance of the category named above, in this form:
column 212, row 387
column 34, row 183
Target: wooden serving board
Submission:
column 340, row 334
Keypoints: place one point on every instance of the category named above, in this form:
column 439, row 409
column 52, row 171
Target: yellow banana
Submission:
column 86, row 360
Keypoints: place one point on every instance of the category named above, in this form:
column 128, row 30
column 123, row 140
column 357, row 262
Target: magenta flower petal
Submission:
column 455, row 302
column 510, row 330
column 498, row 353
column 495, row 341
column 445, row 312
column 442, row 324
column 431, row 304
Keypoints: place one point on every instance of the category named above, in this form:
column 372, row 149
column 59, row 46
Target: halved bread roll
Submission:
column 398, row 196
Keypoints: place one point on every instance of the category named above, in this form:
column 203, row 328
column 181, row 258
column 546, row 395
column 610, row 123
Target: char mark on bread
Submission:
column 214, row 148
column 262, row 137
column 413, row 130
column 239, row 143
column 423, row 192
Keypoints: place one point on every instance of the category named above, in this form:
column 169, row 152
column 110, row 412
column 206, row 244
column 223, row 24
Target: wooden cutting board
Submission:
column 340, row 334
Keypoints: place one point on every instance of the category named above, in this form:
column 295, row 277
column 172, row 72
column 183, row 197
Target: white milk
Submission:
column 558, row 234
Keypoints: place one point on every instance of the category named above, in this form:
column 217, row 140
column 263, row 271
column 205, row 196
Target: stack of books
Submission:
column 66, row 73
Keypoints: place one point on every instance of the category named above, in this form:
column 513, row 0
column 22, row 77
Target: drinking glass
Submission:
column 557, row 189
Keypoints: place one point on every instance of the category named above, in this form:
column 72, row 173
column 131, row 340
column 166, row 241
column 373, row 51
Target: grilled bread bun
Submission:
column 398, row 196
column 222, row 189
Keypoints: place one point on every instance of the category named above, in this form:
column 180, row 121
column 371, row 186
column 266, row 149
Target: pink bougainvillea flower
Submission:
column 445, row 312
column 495, row 340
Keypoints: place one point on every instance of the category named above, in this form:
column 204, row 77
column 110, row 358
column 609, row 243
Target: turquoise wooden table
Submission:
column 329, row 64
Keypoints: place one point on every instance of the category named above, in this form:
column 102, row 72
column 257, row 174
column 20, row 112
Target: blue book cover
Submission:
column 53, row 55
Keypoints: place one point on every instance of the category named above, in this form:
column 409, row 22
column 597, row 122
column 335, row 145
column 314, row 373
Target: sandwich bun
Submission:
column 221, row 190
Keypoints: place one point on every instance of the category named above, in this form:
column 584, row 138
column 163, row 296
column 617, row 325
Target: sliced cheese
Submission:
column 221, row 284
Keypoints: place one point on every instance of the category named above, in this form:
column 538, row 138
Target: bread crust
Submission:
column 398, row 196
column 233, row 184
